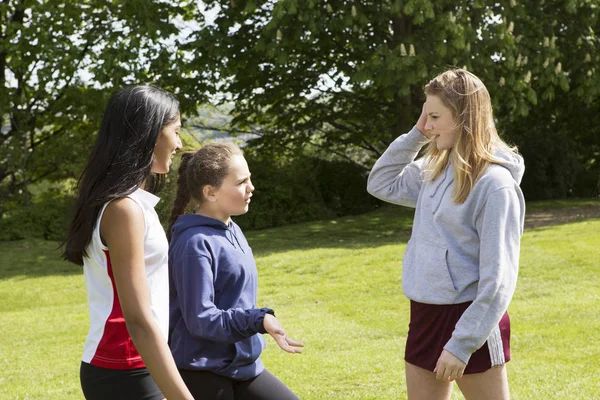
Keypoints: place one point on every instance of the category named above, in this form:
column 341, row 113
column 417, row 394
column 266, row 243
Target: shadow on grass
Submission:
column 33, row 258
column 392, row 224
column 553, row 205
column 387, row 225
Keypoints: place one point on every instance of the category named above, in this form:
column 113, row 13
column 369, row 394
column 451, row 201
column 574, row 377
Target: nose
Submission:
column 250, row 187
column 428, row 125
column 178, row 143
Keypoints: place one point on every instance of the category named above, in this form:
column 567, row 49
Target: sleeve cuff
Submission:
column 417, row 136
column 463, row 354
column 261, row 318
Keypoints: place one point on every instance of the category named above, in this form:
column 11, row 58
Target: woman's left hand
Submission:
column 274, row 328
column 422, row 122
column 449, row 367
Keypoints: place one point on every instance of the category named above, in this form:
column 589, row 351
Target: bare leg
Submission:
column 490, row 385
column 422, row 384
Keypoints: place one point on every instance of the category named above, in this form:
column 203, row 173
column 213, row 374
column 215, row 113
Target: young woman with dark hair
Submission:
column 461, row 262
column 115, row 234
column 215, row 325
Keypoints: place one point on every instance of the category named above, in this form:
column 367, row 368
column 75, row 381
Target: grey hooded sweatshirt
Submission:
column 458, row 252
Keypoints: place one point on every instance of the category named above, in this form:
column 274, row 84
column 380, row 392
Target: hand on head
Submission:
column 421, row 123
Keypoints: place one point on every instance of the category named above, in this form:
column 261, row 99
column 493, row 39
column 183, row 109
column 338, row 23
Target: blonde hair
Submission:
column 469, row 101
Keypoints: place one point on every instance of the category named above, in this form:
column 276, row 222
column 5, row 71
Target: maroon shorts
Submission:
column 431, row 327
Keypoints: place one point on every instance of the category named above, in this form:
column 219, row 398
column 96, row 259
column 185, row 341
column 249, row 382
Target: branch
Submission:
column 217, row 129
column 368, row 146
column 341, row 127
column 337, row 153
column 89, row 43
column 56, row 133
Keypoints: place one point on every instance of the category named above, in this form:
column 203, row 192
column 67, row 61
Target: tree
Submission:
column 345, row 75
column 59, row 60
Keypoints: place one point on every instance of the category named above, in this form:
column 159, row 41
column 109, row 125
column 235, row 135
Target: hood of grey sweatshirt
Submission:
column 458, row 253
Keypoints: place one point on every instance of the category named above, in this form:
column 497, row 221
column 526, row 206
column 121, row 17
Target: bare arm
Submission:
column 122, row 229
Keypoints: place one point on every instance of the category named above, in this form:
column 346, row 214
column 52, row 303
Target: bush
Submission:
column 284, row 194
column 561, row 147
column 304, row 189
column 44, row 217
column 551, row 167
column 289, row 191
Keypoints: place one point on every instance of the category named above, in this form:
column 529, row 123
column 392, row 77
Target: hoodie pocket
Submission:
column 247, row 351
column 425, row 275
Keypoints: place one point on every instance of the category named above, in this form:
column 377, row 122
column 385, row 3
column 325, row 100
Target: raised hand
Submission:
column 422, row 122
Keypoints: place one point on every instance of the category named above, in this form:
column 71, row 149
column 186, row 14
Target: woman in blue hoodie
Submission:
column 215, row 326
column 461, row 262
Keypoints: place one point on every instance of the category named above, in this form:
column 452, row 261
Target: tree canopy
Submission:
column 343, row 76
column 344, row 73
column 59, row 60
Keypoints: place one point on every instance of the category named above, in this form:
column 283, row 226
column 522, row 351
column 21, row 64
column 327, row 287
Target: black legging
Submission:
column 208, row 386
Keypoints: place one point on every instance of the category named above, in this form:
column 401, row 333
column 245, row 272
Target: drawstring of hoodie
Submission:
column 444, row 183
column 235, row 236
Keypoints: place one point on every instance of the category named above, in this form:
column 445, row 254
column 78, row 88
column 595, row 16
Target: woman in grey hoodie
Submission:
column 461, row 263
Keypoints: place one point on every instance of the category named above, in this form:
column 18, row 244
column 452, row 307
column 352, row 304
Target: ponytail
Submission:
column 183, row 194
column 207, row 166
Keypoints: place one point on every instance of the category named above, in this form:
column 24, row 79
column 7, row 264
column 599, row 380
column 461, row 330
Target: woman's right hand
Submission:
column 274, row 328
column 422, row 122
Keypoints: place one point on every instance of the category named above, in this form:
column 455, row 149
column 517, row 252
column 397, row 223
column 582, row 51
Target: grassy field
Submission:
column 335, row 285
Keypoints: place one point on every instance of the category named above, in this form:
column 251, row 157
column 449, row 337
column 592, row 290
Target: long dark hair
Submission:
column 121, row 160
column 207, row 166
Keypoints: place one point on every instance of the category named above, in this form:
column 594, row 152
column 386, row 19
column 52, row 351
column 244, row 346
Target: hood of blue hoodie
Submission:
column 187, row 221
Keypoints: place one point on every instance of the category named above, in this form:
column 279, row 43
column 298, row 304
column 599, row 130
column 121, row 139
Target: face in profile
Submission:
column 233, row 196
column 167, row 144
column 441, row 124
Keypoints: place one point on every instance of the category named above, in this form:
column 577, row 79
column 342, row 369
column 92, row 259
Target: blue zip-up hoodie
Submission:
column 214, row 323
column 458, row 252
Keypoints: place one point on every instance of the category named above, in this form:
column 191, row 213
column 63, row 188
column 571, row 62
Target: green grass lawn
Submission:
column 335, row 285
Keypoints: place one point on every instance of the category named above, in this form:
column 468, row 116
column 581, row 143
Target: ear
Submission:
column 210, row 193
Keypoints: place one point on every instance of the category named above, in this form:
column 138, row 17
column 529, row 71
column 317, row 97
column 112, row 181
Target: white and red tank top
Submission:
column 108, row 344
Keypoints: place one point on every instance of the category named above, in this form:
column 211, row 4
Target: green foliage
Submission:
column 349, row 75
column 290, row 190
column 343, row 76
column 59, row 61
column 304, row 188
column 44, row 217
column 560, row 143
column 284, row 194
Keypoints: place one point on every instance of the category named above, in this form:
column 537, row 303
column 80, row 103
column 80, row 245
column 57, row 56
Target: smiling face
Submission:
column 233, row 196
column 167, row 144
column 441, row 124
